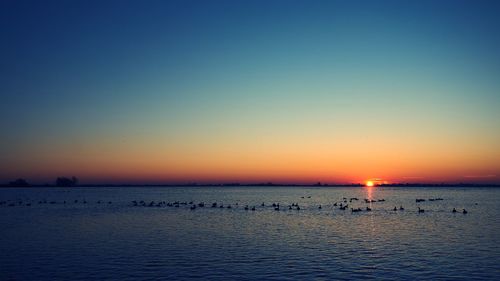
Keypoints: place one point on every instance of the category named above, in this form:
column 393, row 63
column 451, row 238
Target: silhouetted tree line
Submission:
column 19, row 183
column 62, row 181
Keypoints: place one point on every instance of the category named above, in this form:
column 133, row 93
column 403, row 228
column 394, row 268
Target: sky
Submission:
column 250, row 91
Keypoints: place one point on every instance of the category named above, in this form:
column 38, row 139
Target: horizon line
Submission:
column 233, row 184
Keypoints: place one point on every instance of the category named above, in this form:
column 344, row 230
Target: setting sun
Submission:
column 369, row 183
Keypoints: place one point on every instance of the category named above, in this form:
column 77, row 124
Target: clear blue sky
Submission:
column 250, row 90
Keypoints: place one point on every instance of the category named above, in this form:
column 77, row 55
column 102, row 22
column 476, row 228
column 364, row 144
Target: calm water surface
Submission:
column 119, row 241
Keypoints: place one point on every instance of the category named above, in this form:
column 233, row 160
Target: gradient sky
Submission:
column 250, row 91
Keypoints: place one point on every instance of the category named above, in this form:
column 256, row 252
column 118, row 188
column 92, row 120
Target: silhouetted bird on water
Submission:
column 401, row 208
column 253, row 208
column 263, row 204
column 246, row 208
column 454, row 210
column 464, row 212
column 368, row 209
column 420, row 210
column 319, row 207
column 193, row 207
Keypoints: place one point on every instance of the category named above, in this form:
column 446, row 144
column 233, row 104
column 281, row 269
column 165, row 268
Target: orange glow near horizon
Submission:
column 229, row 158
column 369, row 184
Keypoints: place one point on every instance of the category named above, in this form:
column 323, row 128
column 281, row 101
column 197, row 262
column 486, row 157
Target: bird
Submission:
column 368, row 209
column 319, row 207
column 420, row 210
column 253, row 208
column 464, row 211
column 395, row 209
column 454, row 210
column 401, row 208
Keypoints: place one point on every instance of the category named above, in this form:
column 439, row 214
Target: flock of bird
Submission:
column 341, row 205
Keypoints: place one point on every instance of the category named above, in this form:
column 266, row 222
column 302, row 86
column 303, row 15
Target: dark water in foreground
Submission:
column 117, row 241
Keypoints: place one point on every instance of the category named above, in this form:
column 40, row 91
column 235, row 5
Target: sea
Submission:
column 155, row 233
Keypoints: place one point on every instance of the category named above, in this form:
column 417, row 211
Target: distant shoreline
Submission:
column 256, row 185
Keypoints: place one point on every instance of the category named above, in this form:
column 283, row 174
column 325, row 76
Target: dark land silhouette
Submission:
column 73, row 182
